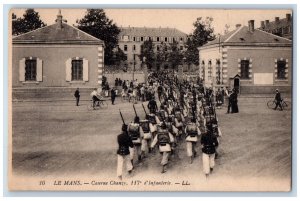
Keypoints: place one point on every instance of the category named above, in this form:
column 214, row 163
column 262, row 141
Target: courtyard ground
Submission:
column 57, row 140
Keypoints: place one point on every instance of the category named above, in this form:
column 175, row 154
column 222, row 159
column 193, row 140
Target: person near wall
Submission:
column 278, row 100
column 77, row 96
column 234, row 101
column 228, row 100
column 113, row 96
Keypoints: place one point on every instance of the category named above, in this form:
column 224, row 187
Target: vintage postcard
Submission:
column 150, row 99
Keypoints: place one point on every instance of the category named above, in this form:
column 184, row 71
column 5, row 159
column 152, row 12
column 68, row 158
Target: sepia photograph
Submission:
column 150, row 99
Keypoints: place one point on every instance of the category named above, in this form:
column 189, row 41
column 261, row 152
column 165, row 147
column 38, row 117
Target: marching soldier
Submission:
column 152, row 106
column 124, row 142
column 161, row 114
column 136, row 134
column 179, row 123
column 154, row 121
column 192, row 131
column 164, row 140
column 209, row 143
column 146, row 140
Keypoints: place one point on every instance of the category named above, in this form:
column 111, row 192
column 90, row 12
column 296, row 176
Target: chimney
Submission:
column 262, row 24
column 288, row 17
column 251, row 25
column 59, row 19
column 267, row 23
column 238, row 26
column 277, row 19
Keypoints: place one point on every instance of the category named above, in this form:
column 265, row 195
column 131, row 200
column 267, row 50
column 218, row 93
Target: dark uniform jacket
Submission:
column 209, row 143
column 278, row 97
column 124, row 142
column 76, row 94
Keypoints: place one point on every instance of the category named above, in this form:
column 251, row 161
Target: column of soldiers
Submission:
column 186, row 115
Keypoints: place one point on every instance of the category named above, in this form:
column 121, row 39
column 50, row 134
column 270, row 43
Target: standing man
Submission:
column 124, row 143
column 164, row 140
column 113, row 96
column 234, row 101
column 77, row 96
column 227, row 94
column 209, row 143
column 278, row 100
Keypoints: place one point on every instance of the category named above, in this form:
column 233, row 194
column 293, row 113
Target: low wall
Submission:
column 265, row 89
column 124, row 76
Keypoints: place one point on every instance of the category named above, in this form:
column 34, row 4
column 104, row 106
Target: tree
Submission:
column 119, row 56
column 175, row 55
column 202, row 33
column 30, row 21
column 147, row 52
column 162, row 54
column 227, row 27
column 98, row 25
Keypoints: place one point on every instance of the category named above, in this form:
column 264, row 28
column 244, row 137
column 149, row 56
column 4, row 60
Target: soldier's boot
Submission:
column 149, row 150
column 216, row 155
column 164, row 169
column 191, row 159
column 139, row 158
column 132, row 164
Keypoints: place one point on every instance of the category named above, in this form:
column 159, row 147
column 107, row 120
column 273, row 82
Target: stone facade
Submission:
column 247, row 59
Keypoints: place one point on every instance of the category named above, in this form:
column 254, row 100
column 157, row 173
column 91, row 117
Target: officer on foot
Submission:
column 209, row 143
column 124, row 143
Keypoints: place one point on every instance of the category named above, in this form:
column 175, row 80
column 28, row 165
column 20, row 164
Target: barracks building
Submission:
column 252, row 60
column 58, row 55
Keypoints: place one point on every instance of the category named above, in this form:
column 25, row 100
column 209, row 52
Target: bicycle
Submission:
column 98, row 105
column 286, row 105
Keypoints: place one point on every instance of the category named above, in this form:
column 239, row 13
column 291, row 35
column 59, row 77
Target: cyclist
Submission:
column 278, row 100
column 96, row 97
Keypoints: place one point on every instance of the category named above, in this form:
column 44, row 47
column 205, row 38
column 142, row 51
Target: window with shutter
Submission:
column 281, row 69
column 30, row 69
column 77, row 69
column 245, row 69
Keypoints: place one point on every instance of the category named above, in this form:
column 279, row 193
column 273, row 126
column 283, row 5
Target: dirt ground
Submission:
column 59, row 140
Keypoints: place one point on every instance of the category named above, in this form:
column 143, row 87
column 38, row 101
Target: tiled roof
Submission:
column 242, row 36
column 152, row 32
column 52, row 34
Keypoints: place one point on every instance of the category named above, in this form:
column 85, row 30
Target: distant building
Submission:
column 279, row 27
column 58, row 55
column 252, row 60
column 131, row 39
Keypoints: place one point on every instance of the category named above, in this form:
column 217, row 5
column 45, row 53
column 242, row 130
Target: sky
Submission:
column 181, row 19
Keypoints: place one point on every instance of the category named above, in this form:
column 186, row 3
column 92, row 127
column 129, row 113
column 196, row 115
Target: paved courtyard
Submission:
column 58, row 139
